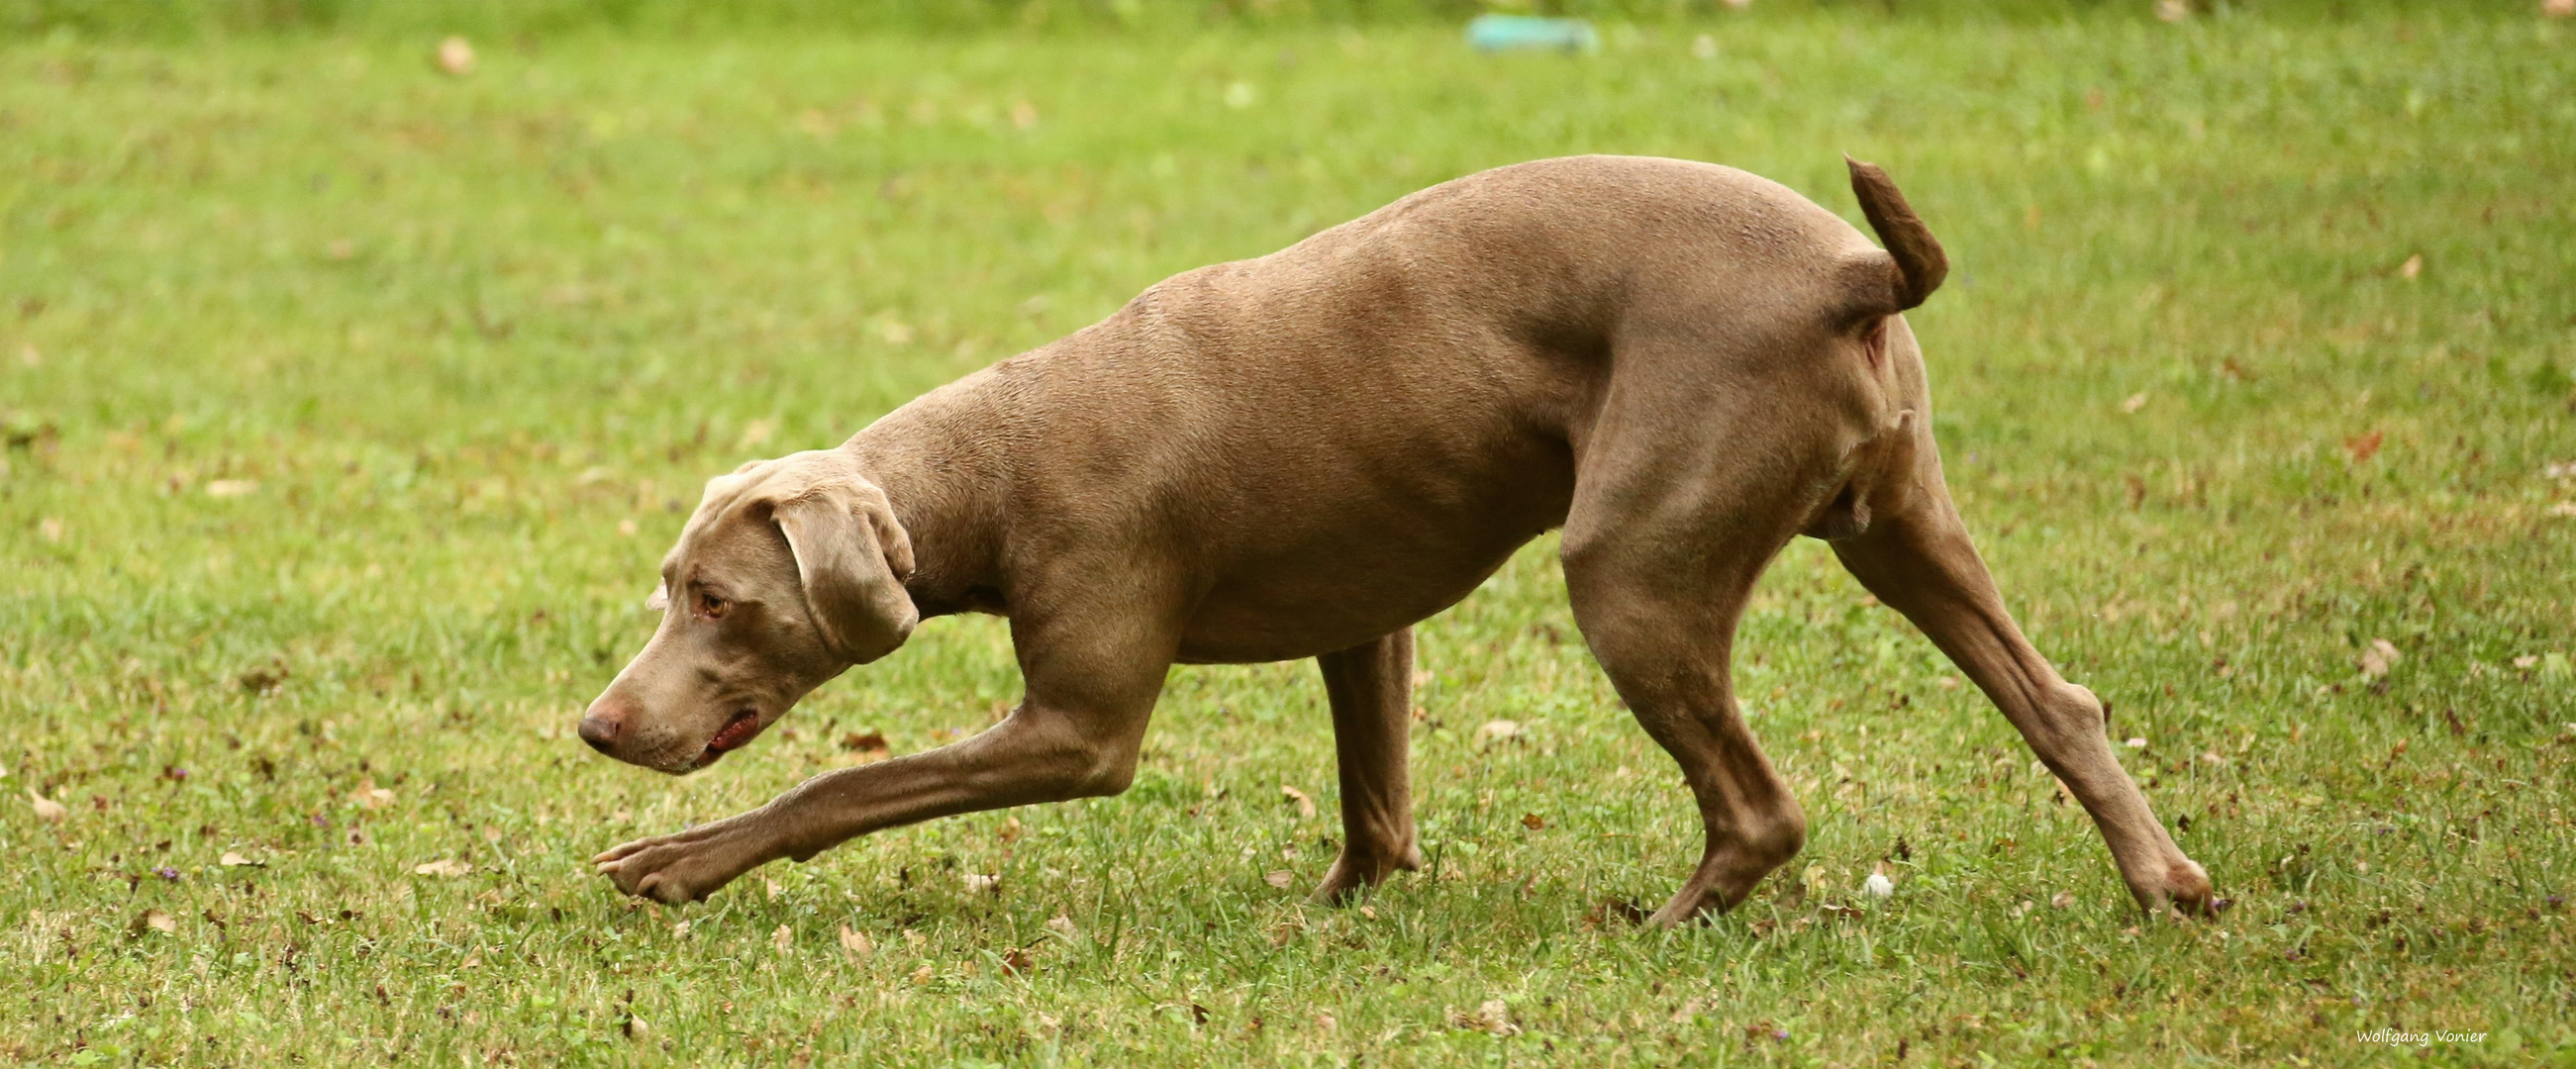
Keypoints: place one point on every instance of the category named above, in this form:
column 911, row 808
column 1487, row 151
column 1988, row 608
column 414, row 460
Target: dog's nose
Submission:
column 601, row 724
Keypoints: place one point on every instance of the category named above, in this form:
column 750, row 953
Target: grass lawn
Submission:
column 349, row 405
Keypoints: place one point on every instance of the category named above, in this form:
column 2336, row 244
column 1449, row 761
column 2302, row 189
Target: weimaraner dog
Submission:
column 1302, row 455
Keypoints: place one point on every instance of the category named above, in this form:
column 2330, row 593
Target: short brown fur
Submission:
column 1302, row 455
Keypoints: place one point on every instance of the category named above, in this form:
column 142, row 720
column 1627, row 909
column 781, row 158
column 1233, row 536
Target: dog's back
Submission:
column 1350, row 434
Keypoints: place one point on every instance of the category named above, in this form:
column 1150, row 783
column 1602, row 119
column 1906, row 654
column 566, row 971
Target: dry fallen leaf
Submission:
column 442, row 867
column 1498, row 730
column 232, row 487
column 1494, row 1017
column 370, row 795
column 2062, row 899
column 978, row 882
column 1305, row 806
column 51, row 527
column 234, row 859
column 1324, row 1021
column 923, row 974
column 855, row 943
column 47, row 810
column 1062, row 925
column 2376, row 659
column 783, row 939
column 2413, row 266
column 2364, row 446
column 868, row 742
column 456, row 56
column 2172, row 10
column 159, row 921
column 1280, row 879
column 1533, row 821
column 2135, row 402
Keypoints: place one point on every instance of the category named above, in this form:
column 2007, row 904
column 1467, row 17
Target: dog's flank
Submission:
column 1682, row 365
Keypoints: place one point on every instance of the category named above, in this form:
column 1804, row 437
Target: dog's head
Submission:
column 790, row 572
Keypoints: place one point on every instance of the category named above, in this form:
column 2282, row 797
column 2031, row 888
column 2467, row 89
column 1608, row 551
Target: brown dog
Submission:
column 1304, row 454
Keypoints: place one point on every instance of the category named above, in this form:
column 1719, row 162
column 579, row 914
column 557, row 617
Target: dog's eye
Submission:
column 711, row 604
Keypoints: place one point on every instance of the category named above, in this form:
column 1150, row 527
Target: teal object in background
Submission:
column 1500, row 33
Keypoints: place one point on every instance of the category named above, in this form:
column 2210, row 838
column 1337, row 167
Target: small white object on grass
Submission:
column 1878, row 885
column 2135, row 743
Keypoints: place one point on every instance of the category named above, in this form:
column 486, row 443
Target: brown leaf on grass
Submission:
column 154, row 920
column 1305, row 805
column 1533, row 821
column 2135, row 402
column 234, row 859
column 371, row 796
column 51, row 527
column 2364, row 446
column 444, row 868
column 1618, row 908
column 1018, row 962
column 1280, row 879
column 2413, row 266
column 1494, row 1017
column 1501, row 731
column 47, row 810
column 783, row 939
column 2061, row 900
column 2375, row 660
column 870, row 743
column 855, row 943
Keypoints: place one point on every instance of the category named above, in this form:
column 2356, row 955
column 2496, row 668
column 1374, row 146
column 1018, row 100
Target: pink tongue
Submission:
column 736, row 732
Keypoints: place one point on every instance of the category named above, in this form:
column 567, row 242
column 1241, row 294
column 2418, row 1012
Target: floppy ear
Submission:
column 853, row 558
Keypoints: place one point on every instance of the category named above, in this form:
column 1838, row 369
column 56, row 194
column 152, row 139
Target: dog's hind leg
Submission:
column 1659, row 565
column 1371, row 689
column 1919, row 560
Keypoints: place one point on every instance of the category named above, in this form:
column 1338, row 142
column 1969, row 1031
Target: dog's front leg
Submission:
column 1063, row 742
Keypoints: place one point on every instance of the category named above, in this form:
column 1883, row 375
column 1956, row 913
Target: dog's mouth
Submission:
column 744, row 727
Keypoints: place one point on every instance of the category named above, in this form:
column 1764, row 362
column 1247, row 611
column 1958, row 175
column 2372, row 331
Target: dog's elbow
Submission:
column 1107, row 777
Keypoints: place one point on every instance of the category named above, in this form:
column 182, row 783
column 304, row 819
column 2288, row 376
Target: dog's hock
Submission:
column 1920, row 263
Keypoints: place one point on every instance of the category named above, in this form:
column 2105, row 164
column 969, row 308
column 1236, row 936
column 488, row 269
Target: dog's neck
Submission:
column 937, row 461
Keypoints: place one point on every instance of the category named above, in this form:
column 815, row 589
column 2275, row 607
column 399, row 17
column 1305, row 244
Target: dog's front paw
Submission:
column 686, row 867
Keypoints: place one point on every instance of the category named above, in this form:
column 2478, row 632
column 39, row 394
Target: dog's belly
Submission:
column 1384, row 565
column 1292, row 615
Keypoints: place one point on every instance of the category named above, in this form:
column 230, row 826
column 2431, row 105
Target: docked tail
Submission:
column 1920, row 265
